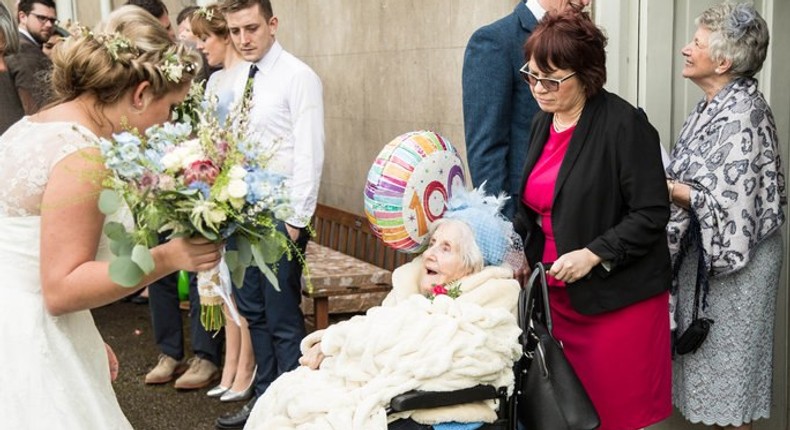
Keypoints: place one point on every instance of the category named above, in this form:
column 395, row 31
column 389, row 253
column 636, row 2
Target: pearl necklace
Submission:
column 560, row 127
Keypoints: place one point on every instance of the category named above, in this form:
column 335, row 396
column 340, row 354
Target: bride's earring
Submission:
column 137, row 107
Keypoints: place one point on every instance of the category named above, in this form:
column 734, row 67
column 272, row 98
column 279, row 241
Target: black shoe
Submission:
column 236, row 420
column 139, row 300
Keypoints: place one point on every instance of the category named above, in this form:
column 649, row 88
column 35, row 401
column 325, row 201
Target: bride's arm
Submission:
column 71, row 226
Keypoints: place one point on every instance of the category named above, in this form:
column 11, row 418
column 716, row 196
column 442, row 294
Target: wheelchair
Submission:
column 413, row 400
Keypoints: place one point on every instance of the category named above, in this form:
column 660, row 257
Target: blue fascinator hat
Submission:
column 493, row 233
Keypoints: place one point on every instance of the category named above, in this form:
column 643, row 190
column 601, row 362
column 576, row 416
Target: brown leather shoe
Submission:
column 200, row 374
column 164, row 371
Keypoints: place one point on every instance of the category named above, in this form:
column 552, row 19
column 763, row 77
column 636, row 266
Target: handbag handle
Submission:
column 531, row 294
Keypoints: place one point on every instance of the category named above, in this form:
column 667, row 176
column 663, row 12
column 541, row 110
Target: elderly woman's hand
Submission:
column 574, row 265
column 313, row 357
column 522, row 274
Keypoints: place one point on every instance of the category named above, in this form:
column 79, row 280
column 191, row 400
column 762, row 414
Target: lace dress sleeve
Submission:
column 28, row 153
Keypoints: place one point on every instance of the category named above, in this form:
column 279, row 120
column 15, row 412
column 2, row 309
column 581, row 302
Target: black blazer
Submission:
column 610, row 197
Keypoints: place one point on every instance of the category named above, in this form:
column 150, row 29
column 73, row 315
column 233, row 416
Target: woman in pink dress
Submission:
column 595, row 204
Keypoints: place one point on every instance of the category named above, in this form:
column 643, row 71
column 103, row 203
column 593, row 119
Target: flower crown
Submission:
column 114, row 43
column 173, row 68
column 205, row 12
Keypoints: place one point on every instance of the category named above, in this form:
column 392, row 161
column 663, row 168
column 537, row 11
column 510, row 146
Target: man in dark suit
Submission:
column 498, row 106
column 167, row 325
column 30, row 66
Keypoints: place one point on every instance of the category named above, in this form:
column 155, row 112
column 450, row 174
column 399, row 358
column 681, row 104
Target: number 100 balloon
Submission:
column 408, row 185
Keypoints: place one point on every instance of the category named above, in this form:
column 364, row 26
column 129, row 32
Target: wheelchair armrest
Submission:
column 416, row 399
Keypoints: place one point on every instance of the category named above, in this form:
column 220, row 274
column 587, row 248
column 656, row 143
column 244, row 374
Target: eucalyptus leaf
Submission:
column 237, row 276
column 124, row 272
column 245, row 251
column 270, row 276
column 109, row 202
column 208, row 234
column 122, row 247
column 231, row 259
column 141, row 256
column 256, row 253
column 271, row 248
column 115, row 231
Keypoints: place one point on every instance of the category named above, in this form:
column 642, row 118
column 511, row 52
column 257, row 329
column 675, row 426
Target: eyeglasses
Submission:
column 43, row 19
column 550, row 84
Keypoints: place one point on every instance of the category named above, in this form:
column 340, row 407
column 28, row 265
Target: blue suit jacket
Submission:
column 498, row 105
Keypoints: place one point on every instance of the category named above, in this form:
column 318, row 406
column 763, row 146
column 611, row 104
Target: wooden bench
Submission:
column 345, row 260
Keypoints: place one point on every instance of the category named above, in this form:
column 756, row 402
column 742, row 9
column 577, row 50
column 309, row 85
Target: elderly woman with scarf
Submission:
column 447, row 324
column 727, row 188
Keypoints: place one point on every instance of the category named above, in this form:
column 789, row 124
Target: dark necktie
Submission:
column 248, row 85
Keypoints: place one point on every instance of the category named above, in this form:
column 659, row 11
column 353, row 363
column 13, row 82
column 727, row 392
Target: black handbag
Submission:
column 548, row 394
column 696, row 333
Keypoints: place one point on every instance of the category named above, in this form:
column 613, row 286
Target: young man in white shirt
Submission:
column 286, row 111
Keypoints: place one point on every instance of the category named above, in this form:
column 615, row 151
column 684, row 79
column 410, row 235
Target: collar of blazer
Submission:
column 525, row 17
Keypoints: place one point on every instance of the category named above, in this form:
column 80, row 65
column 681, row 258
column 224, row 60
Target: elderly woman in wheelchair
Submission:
column 448, row 324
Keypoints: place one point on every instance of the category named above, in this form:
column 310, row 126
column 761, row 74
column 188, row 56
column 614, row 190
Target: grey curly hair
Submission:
column 738, row 34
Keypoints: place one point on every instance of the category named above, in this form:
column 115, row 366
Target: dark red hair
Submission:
column 570, row 40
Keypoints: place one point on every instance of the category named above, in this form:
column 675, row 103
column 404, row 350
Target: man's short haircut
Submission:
column 156, row 8
column 229, row 6
column 27, row 5
column 186, row 13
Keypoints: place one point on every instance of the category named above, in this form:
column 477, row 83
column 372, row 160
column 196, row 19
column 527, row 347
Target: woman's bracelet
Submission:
column 670, row 188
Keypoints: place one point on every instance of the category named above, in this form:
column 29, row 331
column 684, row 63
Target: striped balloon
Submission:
column 408, row 185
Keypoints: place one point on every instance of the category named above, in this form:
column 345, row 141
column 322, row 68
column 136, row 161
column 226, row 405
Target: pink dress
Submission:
column 622, row 357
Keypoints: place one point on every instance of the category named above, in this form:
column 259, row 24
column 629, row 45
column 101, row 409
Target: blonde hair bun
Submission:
column 130, row 47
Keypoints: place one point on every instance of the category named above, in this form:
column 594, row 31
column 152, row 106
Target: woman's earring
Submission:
column 137, row 107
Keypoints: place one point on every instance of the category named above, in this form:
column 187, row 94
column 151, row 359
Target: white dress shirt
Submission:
column 536, row 9
column 288, row 112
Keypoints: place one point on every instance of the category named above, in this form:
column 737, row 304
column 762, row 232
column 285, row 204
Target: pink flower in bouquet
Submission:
column 149, row 180
column 222, row 149
column 439, row 290
column 203, row 171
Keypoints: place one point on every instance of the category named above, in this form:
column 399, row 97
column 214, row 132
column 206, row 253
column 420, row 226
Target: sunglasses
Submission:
column 549, row 84
column 43, row 19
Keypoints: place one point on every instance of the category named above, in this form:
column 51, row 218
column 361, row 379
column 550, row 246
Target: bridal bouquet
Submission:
column 195, row 177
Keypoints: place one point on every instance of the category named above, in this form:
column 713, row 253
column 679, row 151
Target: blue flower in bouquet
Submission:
column 123, row 155
column 154, row 159
column 161, row 138
column 202, row 187
column 168, row 134
column 262, row 184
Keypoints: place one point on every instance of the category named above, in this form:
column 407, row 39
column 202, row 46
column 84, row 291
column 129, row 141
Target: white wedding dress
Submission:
column 55, row 373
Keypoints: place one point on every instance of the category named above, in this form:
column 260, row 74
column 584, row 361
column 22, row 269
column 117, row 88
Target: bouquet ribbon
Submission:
column 215, row 289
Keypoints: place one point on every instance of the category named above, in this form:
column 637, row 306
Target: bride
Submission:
column 55, row 369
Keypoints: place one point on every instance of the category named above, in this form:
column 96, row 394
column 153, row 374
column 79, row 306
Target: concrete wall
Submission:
column 388, row 67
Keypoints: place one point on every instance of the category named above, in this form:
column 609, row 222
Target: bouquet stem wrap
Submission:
column 214, row 288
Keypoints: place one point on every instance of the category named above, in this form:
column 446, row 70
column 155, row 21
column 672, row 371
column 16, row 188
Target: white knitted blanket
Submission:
column 437, row 345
